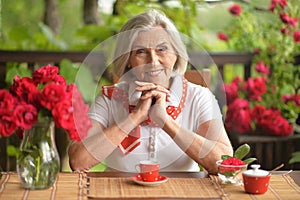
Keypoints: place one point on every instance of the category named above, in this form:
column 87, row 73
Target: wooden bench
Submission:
column 266, row 148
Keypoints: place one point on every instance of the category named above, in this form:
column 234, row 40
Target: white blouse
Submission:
column 200, row 106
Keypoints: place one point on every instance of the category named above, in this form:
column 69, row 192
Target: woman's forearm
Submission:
column 99, row 143
column 205, row 147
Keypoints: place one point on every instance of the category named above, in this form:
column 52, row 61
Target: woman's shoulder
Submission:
column 197, row 88
column 198, row 93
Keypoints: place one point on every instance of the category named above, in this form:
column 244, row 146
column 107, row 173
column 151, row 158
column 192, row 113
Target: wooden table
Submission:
column 179, row 186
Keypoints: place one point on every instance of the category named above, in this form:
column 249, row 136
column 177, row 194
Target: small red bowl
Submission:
column 256, row 181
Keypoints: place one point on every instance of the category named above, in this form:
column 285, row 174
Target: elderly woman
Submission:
column 152, row 112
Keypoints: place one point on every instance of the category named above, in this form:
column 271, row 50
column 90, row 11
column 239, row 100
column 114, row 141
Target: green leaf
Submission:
column 249, row 160
column 296, row 153
column 295, row 157
column 294, row 160
column 68, row 70
column 13, row 70
column 228, row 174
column 86, row 84
column 12, row 151
column 242, row 151
column 224, row 157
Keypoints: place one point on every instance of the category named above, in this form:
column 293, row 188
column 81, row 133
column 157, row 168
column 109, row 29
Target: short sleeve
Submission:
column 207, row 106
column 99, row 110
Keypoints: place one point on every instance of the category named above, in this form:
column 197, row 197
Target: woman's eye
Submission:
column 163, row 48
column 140, row 51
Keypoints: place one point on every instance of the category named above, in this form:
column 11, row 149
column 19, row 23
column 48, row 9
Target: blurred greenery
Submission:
column 23, row 30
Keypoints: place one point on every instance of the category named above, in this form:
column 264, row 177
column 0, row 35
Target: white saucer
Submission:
column 138, row 179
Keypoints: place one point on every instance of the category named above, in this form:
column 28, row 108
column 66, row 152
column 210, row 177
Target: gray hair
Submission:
column 129, row 32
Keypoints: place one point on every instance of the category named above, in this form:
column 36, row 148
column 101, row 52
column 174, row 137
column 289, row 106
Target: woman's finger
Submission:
column 144, row 86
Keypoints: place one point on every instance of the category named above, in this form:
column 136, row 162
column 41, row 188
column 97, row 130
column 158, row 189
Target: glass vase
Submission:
column 38, row 161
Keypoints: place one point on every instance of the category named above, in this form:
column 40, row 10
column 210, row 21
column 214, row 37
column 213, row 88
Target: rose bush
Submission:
column 45, row 95
column 268, row 102
column 245, row 103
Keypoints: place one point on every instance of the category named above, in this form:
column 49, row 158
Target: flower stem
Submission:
column 38, row 166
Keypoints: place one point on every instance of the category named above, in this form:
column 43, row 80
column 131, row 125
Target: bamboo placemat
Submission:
column 67, row 186
column 108, row 187
column 280, row 187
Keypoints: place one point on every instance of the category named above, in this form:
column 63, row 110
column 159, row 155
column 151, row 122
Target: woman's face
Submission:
column 152, row 57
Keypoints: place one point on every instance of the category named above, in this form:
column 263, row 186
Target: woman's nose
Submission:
column 153, row 57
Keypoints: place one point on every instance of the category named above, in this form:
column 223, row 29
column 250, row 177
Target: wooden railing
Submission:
column 269, row 150
column 43, row 57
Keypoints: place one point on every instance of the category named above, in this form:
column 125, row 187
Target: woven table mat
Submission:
column 104, row 187
column 280, row 187
column 67, row 186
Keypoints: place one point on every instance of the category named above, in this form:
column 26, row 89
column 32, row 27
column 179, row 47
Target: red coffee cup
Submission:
column 149, row 170
column 256, row 181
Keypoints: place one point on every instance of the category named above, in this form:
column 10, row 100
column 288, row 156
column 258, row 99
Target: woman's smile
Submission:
column 154, row 73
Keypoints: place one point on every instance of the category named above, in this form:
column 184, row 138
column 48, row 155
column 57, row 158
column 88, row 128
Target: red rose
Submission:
column 296, row 36
column 257, row 50
column 81, row 129
column 7, row 102
column 239, row 82
column 283, row 126
column 271, row 121
column 235, row 9
column 60, row 80
column 25, row 116
column 262, row 68
column 285, row 18
column 257, row 112
column 256, row 87
column 45, row 74
column 82, row 123
column 222, row 36
column 232, row 89
column 239, row 111
column 74, row 135
column 63, row 114
column 52, row 94
column 285, row 31
column 231, row 92
column 296, row 99
column 294, row 22
column 73, row 117
column 25, row 89
column 7, row 125
column 292, row 98
column 274, row 3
